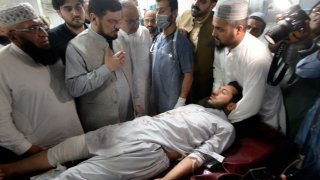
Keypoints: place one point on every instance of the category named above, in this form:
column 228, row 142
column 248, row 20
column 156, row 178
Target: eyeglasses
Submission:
column 34, row 29
column 316, row 10
column 132, row 21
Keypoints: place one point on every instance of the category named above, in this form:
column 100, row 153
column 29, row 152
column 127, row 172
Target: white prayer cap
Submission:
column 232, row 10
column 259, row 15
column 17, row 14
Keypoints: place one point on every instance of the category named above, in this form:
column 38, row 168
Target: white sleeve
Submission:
column 10, row 137
column 220, row 141
column 254, row 88
column 217, row 72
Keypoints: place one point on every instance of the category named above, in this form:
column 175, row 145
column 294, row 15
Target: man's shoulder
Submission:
column 80, row 37
column 56, row 29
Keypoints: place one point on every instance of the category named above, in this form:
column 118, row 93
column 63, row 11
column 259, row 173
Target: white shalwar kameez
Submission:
column 135, row 149
column 249, row 64
column 35, row 106
column 136, row 46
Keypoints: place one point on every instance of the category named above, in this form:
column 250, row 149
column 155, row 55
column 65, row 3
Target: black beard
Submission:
column 220, row 47
column 40, row 55
column 108, row 38
column 198, row 13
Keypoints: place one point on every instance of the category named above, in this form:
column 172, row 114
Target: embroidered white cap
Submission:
column 17, row 14
column 232, row 10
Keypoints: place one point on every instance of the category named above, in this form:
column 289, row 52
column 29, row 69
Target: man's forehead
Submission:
column 230, row 89
column 150, row 15
column 30, row 22
column 71, row 3
column 116, row 15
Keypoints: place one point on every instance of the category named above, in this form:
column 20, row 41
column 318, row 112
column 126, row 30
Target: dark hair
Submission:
column 172, row 3
column 238, row 96
column 57, row 3
column 100, row 7
column 314, row 7
column 259, row 19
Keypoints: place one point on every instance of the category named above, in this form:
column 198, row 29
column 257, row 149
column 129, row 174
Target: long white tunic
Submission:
column 248, row 64
column 35, row 107
column 134, row 149
column 184, row 130
column 136, row 46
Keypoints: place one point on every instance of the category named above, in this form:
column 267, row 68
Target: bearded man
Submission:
column 36, row 111
column 94, row 72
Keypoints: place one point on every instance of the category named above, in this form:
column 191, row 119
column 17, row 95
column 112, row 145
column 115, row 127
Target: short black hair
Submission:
column 238, row 96
column 100, row 7
column 56, row 4
column 172, row 3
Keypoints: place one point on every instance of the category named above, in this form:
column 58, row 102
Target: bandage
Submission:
column 74, row 148
column 196, row 158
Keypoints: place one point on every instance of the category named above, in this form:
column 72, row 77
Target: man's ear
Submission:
column 175, row 13
column 93, row 18
column 240, row 28
column 12, row 35
column 231, row 106
column 59, row 13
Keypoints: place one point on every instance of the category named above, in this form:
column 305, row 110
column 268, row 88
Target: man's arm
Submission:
column 183, row 168
column 10, row 137
column 254, row 87
column 186, row 84
column 79, row 81
column 185, row 88
column 217, row 71
column 217, row 143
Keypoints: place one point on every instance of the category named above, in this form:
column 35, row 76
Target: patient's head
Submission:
column 226, row 97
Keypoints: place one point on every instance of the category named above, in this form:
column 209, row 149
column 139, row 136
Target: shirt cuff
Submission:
column 22, row 147
column 103, row 71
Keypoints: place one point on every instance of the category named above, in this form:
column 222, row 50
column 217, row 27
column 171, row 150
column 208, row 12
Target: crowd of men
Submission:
column 121, row 83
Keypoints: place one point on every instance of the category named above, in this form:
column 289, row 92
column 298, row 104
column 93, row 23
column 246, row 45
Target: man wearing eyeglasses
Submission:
column 135, row 40
column 94, row 69
column 73, row 13
column 36, row 111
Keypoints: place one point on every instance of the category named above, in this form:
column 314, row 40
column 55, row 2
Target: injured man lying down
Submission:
column 144, row 147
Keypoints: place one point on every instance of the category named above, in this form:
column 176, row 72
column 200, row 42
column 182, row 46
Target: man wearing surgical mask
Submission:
column 172, row 61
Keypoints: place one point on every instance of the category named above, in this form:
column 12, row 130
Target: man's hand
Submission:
column 181, row 102
column 114, row 62
column 137, row 109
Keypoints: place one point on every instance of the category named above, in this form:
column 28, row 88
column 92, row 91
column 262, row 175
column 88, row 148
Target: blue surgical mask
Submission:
column 162, row 21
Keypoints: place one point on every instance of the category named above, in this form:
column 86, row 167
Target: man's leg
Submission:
column 143, row 164
column 71, row 149
column 37, row 162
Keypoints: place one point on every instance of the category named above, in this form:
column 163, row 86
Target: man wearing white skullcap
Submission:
column 256, row 24
column 241, row 57
column 36, row 110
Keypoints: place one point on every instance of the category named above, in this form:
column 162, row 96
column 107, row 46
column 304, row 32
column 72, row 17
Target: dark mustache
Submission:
column 195, row 7
column 76, row 17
